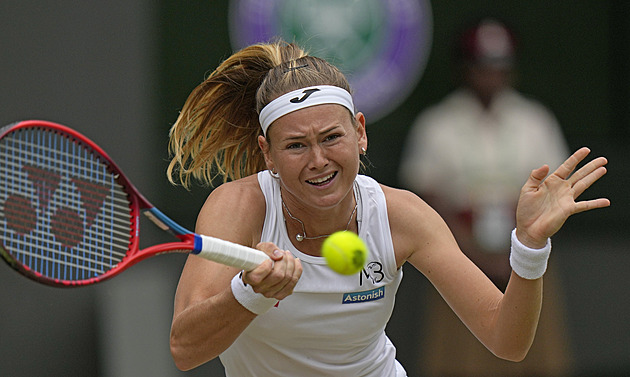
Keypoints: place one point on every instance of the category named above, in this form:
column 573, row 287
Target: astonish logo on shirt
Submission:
column 371, row 295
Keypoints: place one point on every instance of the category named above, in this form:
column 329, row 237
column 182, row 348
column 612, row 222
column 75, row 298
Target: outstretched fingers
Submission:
column 569, row 165
column 547, row 201
column 588, row 205
column 584, row 178
column 587, row 175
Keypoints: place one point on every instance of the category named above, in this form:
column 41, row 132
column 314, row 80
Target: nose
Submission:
column 318, row 157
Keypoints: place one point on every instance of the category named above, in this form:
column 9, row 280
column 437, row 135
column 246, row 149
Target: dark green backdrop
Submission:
column 574, row 58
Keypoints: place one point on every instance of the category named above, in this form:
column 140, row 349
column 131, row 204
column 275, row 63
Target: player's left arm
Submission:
column 545, row 203
column 422, row 238
column 504, row 323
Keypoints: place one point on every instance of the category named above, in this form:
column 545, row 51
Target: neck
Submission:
column 303, row 228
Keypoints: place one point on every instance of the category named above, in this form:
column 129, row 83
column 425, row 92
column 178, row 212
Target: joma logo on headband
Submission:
column 307, row 93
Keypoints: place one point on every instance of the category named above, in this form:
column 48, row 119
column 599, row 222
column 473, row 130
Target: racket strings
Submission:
column 63, row 215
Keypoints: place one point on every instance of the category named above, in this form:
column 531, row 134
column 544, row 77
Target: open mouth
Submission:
column 323, row 180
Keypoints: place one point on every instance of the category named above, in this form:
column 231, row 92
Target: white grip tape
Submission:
column 252, row 301
column 528, row 263
column 230, row 253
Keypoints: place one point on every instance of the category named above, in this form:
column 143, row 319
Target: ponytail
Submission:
column 216, row 133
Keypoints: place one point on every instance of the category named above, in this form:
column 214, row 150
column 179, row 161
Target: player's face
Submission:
column 316, row 153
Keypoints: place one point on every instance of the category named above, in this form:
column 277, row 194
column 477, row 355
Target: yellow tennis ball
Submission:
column 345, row 252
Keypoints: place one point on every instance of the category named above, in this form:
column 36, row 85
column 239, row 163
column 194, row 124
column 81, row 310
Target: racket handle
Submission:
column 228, row 253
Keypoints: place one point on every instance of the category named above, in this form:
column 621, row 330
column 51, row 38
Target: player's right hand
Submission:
column 275, row 278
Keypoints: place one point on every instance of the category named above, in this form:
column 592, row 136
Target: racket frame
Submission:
column 138, row 204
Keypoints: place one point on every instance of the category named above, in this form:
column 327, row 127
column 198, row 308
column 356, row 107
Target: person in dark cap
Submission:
column 487, row 53
column 465, row 156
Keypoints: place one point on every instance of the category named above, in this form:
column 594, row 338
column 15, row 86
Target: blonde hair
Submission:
column 216, row 133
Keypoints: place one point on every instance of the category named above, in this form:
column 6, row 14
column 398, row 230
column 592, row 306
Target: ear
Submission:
column 361, row 132
column 263, row 144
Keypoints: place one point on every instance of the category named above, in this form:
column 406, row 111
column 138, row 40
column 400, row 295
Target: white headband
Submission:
column 301, row 98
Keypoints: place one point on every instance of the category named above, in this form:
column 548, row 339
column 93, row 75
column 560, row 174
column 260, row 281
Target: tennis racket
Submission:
column 70, row 217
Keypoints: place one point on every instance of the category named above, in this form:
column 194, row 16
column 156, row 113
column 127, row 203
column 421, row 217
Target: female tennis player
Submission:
column 281, row 128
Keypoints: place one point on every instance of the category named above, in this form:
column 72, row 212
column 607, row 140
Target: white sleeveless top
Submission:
column 332, row 325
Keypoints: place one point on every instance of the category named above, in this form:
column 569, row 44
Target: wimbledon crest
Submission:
column 381, row 46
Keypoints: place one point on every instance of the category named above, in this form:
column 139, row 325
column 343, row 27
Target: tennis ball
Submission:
column 345, row 252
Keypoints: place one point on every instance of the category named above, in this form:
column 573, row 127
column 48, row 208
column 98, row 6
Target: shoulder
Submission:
column 247, row 186
column 243, row 192
column 404, row 206
column 414, row 224
column 234, row 211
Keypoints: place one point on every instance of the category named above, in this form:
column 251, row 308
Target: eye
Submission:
column 295, row 146
column 332, row 137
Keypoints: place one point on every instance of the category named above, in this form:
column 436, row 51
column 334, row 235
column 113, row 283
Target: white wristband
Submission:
column 252, row 301
column 529, row 263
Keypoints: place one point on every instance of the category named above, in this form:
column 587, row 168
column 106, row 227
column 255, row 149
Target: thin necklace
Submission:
column 302, row 236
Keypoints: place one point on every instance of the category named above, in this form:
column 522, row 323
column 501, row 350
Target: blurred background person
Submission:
column 466, row 157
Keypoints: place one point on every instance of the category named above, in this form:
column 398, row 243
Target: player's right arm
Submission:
column 207, row 317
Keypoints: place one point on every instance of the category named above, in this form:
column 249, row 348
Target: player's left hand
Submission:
column 546, row 202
